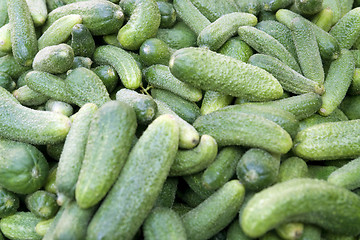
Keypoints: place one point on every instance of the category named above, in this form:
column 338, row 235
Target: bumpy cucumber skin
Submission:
column 21, row 225
column 127, row 204
column 236, row 128
column 237, row 49
column 166, row 197
column 108, row 75
column 214, row 9
column 143, row 24
column 4, row 18
column 309, row 7
column 273, row 5
column 9, row 66
column 9, row 203
column 333, row 208
column 218, row 32
column 324, row 19
column 164, row 224
column 82, row 41
column 195, row 183
column 113, row 126
column 215, row 213
column 351, row 107
column 42, row 204
column 168, row 14
column 23, row 38
column 293, row 167
column 74, row 150
column 213, row 101
column 346, row 176
column 28, row 97
column 124, row 64
column 100, row 17
column 43, row 226
column 179, row 36
column 249, row 6
column 197, row 66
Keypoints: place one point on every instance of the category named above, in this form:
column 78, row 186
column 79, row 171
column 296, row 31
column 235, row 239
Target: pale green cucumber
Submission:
column 9, row 65
column 38, row 11
column 328, row 141
column 293, row 167
column 236, row 128
column 346, row 176
column 28, row 97
column 49, row 235
column 309, row 7
column 124, row 64
column 21, row 225
column 335, row 7
column 249, row 6
column 337, row 82
column 214, row 9
column 290, row 231
column 5, row 38
column 126, row 206
column 217, row 33
column 59, row 107
column 324, row 19
column 43, row 226
column 213, row 101
column 237, row 49
column 350, row 106
column 317, row 202
column 7, row 96
column 113, row 126
column 195, row 160
column 4, row 13
column 73, row 152
column 232, row 77
column 274, row 5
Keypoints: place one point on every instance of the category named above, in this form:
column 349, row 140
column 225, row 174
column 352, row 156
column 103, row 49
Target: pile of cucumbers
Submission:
column 180, row 119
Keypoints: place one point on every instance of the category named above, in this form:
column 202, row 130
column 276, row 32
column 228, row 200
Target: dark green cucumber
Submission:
column 54, row 150
column 23, row 38
column 82, row 41
column 351, row 107
column 168, row 14
column 155, row 51
column 293, row 167
column 189, row 196
column 289, row 79
column 213, row 101
column 143, row 24
column 237, row 128
column 164, row 224
column 249, row 6
column 194, row 181
column 274, row 5
column 222, row 169
column 214, row 9
column 81, row 62
column 9, row 65
column 196, row 66
column 100, row 17
column 166, row 197
column 21, row 225
column 311, row 232
column 42, row 204
column 108, row 76
column 9, row 203
column 309, row 7
column 179, row 36
column 234, row 232
column 316, row 201
column 346, row 176
column 124, row 64
column 116, row 122
column 215, row 213
column 7, row 82
column 28, row 97
column 50, row 185
column 127, row 204
column 258, row 169
column 237, row 49
column 266, row 16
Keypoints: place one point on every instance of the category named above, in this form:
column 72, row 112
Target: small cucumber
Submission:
column 143, row 24
column 290, row 231
column 214, row 9
column 23, row 38
column 328, row 141
column 42, row 204
column 215, row 213
column 5, row 38
column 3, row 13
column 274, row 5
column 38, row 11
column 222, row 169
column 337, row 82
column 316, row 201
column 144, row 105
column 346, row 176
column 164, row 224
column 309, row 7
column 113, row 126
column 9, row 203
column 82, row 41
column 59, row 107
column 195, row 160
column 179, row 36
column 127, row 205
column 9, row 65
column 237, row 128
column 28, row 97
column 237, row 49
column 124, row 64
column 155, row 51
column 21, row 225
column 168, row 14
column 324, row 19
column 50, row 180
column 321, row 172
column 213, row 101
column 351, row 107
column 217, row 33
column 108, row 76
column 166, row 197
column 43, row 226
column 258, row 169
column 233, row 77
column 248, row 6
column 7, row 82
column 293, row 167
column 100, row 17
column 81, row 62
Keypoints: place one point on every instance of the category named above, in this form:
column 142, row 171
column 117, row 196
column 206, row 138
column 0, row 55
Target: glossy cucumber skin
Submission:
column 214, row 9
column 194, row 181
column 197, row 65
column 116, row 122
column 108, row 76
column 168, row 14
column 346, row 175
column 23, row 38
column 122, row 212
column 42, row 204
column 21, row 225
column 275, row 204
column 9, row 203
column 124, row 64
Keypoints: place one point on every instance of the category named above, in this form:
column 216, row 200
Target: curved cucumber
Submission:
column 346, row 176
column 28, row 97
column 336, row 116
column 316, row 202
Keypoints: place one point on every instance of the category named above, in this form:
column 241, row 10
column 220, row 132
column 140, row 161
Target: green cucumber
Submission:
column 3, row 13
column 266, row 44
column 194, row 181
column 191, row 15
column 334, row 5
column 38, row 11
column 53, row 4
column 82, row 41
column 293, row 167
column 187, row 110
column 9, row 203
column 237, row 128
column 54, row 150
column 28, row 97
column 164, row 224
column 42, row 204
column 49, row 235
column 346, row 176
column 270, row 235
column 5, row 38
column 213, row 101
column 155, row 51
column 307, row 50
column 234, row 232
column 168, row 14
column 59, row 107
column 166, row 197
column 195, row 160
column 21, row 225
column 189, row 196
column 258, row 169
column 333, row 236
column 7, row 82
column 50, row 180
column 321, row 172
column 143, row 24
column 328, row 141
column 217, row 33
column 324, row 19
column 81, row 62
column 248, row 6
column 290, row 231
column 336, row 116
column 350, row 106
column 124, row 64
column 43, row 226
column 266, row 16
column 9, row 65
column 179, row 36
column 108, row 76
column 337, row 82
column 309, row 7
column 222, row 169
column 100, row 17
column 354, row 88
column 232, row 77
column 215, row 213
column 289, row 79
column 317, row 202
column 7, row 96
column 311, row 233
column 23, row 38
column 113, row 126
column 274, row 5
column 237, row 49
column 73, row 152
column 85, row 86
column 54, row 59
column 127, row 205
column 214, row 9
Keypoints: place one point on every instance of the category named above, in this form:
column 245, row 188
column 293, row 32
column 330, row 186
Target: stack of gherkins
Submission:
column 183, row 119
